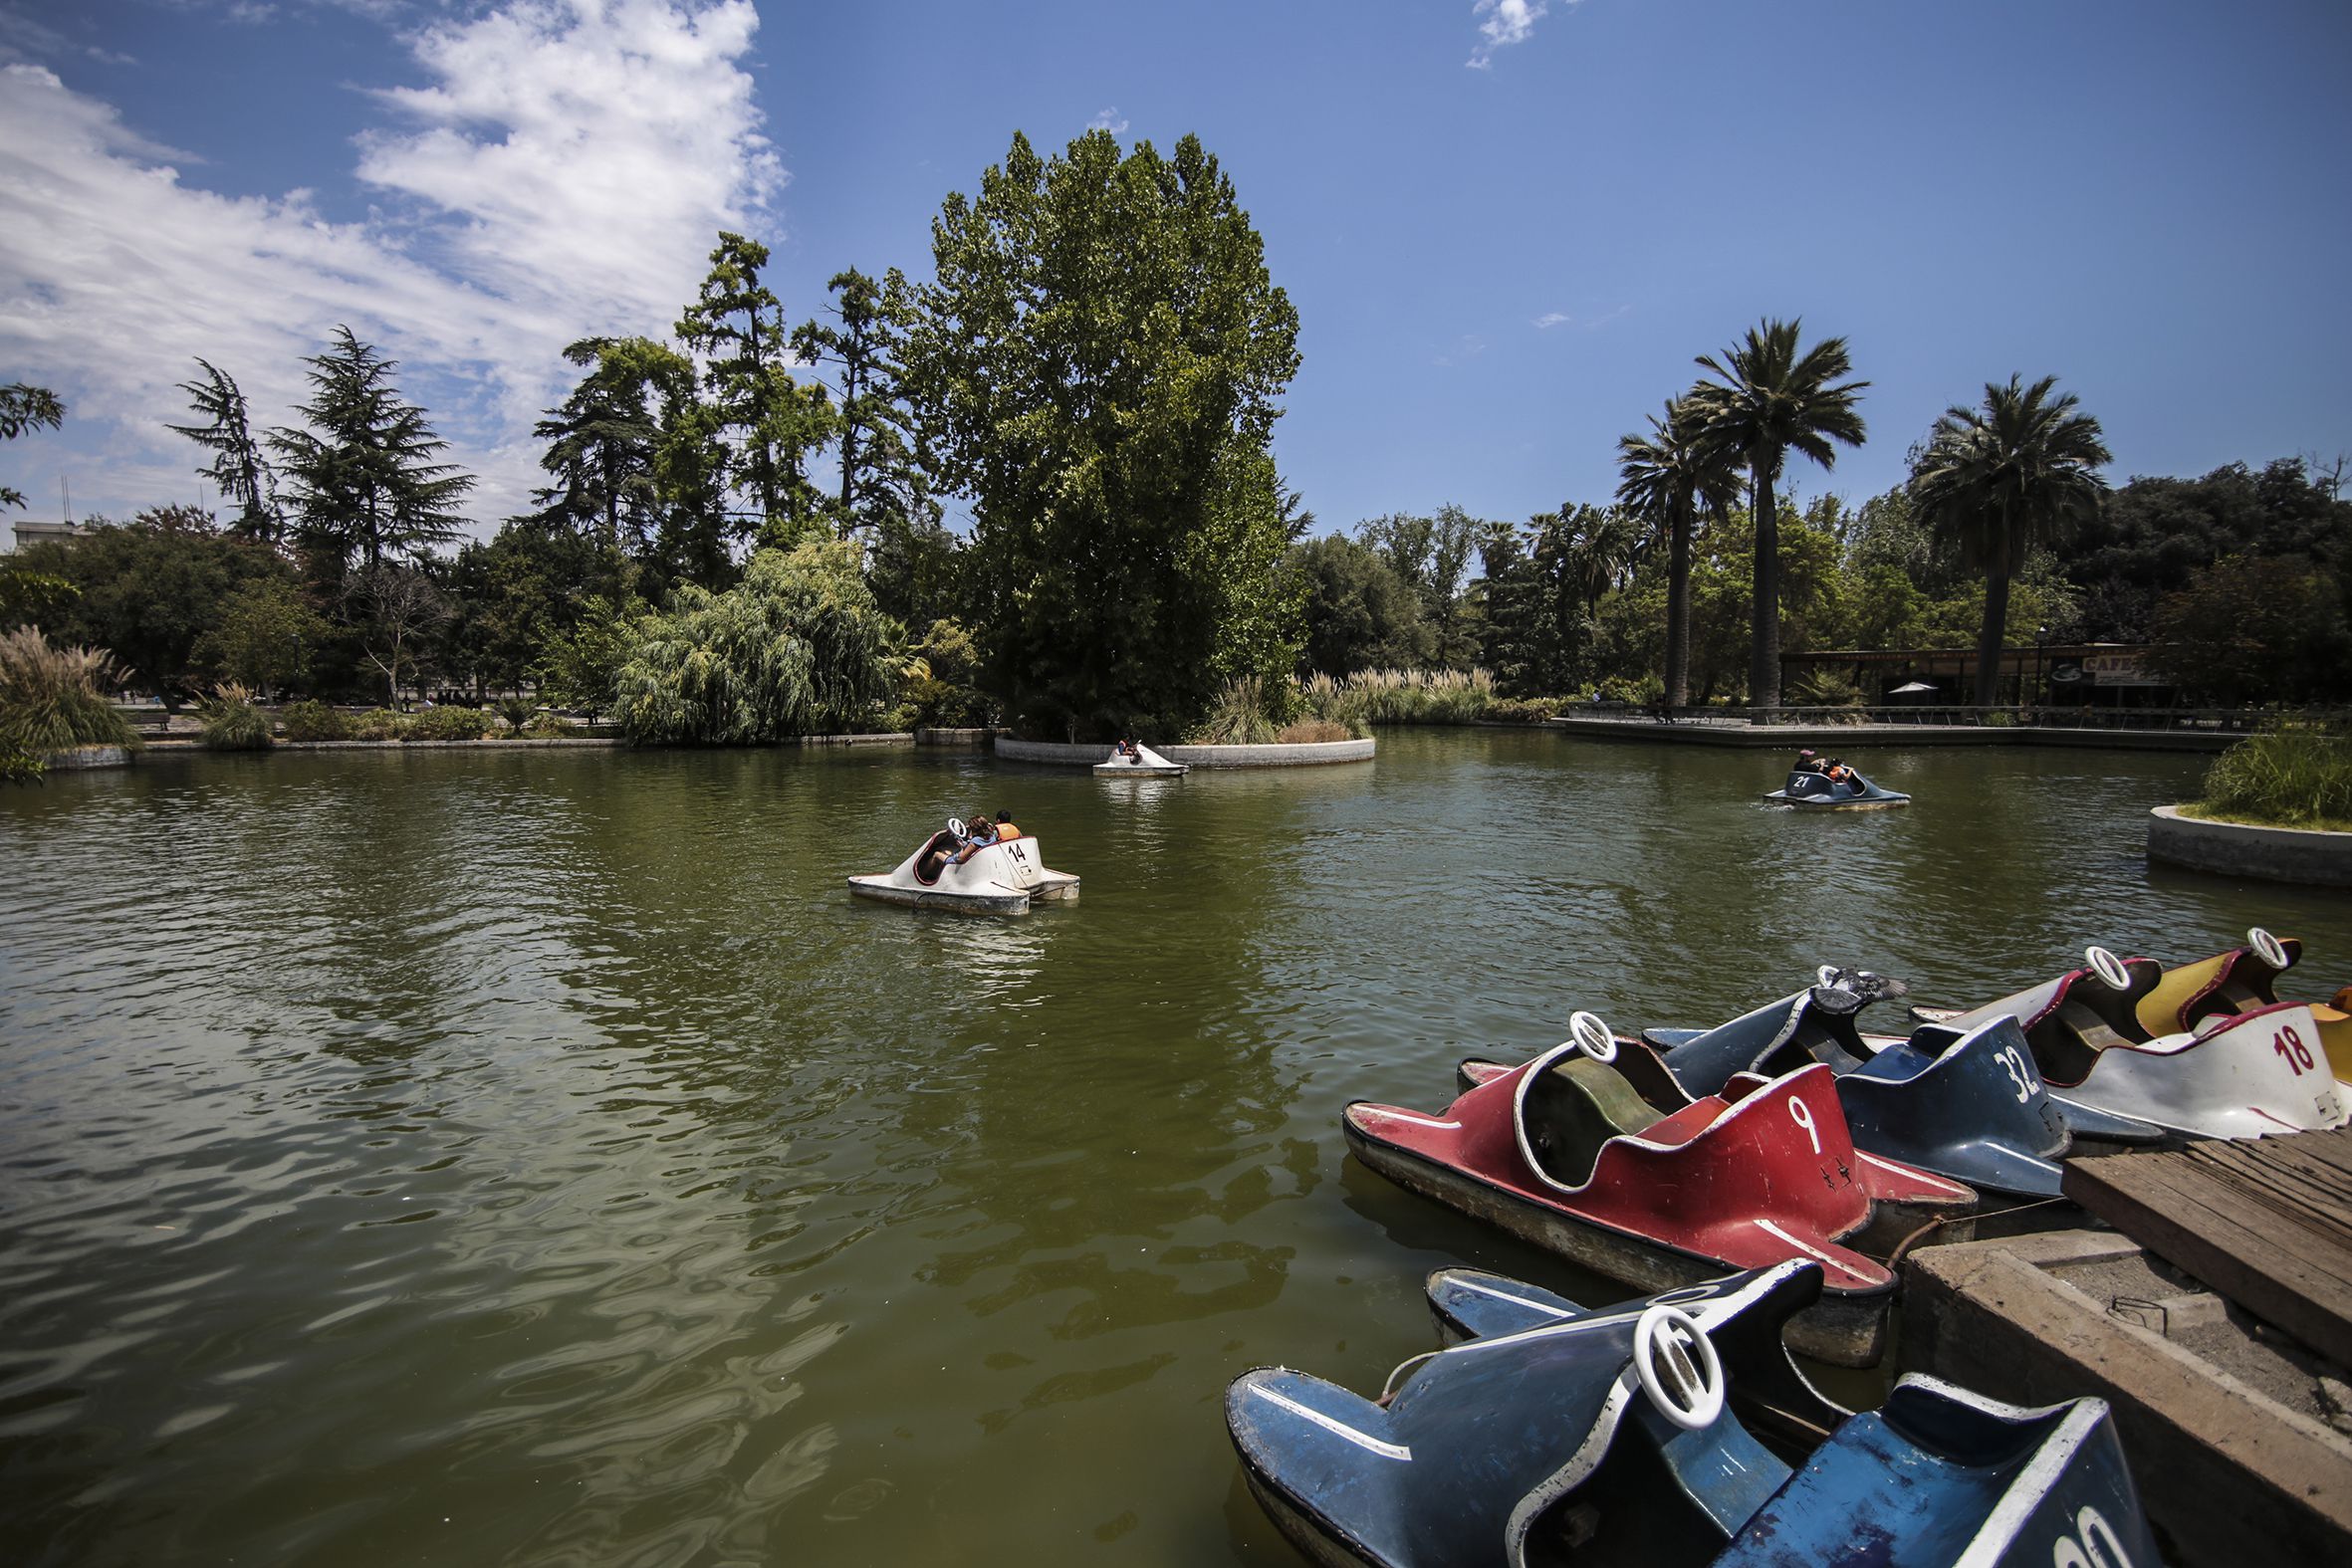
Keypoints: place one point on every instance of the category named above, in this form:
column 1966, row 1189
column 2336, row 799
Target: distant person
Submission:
column 1006, row 830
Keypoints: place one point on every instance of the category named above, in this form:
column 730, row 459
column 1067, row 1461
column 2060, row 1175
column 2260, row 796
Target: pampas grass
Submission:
column 50, row 698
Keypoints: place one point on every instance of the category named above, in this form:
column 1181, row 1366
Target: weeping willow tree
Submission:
column 798, row 647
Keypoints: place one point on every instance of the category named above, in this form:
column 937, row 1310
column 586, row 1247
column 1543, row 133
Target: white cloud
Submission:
column 1551, row 319
column 1507, row 22
column 1108, row 121
column 565, row 172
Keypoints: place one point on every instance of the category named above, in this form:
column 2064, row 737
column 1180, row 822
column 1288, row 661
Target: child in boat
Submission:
column 979, row 833
column 1006, row 831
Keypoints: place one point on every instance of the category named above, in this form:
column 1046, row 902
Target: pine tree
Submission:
column 363, row 475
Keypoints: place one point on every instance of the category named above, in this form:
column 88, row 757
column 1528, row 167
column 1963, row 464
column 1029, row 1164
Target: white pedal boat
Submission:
column 1001, row 879
column 2256, row 1075
column 1145, row 763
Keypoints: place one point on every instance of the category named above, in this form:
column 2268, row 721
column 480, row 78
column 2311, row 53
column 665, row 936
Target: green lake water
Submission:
column 540, row 1158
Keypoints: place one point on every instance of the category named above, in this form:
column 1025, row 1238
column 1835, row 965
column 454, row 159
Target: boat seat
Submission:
column 2067, row 1043
column 1575, row 1107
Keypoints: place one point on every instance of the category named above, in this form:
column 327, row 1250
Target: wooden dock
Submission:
column 2267, row 1223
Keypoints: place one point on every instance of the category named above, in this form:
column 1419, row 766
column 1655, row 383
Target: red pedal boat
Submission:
column 1562, row 1152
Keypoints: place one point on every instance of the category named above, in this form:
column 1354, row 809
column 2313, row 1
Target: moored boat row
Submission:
column 1761, row 1177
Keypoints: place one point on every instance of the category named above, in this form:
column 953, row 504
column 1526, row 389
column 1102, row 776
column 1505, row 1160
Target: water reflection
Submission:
column 483, row 1159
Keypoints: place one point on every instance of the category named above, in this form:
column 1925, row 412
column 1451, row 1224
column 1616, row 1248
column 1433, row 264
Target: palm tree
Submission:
column 1768, row 400
column 1993, row 483
column 1666, row 478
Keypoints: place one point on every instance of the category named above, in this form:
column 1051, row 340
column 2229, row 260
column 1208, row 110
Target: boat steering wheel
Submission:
column 2268, row 948
column 955, row 825
column 1590, row 1036
column 2108, row 968
column 1668, row 1343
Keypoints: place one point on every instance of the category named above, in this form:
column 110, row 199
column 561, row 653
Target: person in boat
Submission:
column 1006, row 830
column 979, row 833
column 1807, row 762
column 1126, row 750
column 943, row 847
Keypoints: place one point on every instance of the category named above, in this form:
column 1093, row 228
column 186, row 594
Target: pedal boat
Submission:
column 1001, row 879
column 1968, row 1105
column 1145, row 763
column 2253, row 1074
column 1555, row 1434
column 1563, row 1152
column 2245, row 980
column 1820, row 792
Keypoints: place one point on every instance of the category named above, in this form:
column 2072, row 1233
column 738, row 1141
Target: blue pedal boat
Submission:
column 1604, row 1438
column 1815, row 792
column 1969, row 1104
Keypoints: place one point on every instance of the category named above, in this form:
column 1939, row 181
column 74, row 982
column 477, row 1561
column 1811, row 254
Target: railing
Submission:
column 2225, row 720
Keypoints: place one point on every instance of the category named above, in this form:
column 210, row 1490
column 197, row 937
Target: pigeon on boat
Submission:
column 1002, row 878
column 1549, row 1434
column 1565, row 1151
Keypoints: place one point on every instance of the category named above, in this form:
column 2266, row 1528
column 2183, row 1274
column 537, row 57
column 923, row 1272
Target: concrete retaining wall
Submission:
column 2270, row 854
column 86, row 757
column 1306, row 755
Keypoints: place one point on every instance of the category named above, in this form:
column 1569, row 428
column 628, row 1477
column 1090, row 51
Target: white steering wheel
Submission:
column 2268, row 948
column 1669, row 1343
column 955, row 825
column 1828, row 976
column 1590, row 1036
column 2108, row 968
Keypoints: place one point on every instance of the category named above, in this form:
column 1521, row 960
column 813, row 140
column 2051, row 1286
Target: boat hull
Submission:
column 1140, row 770
column 1885, row 802
column 1845, row 1328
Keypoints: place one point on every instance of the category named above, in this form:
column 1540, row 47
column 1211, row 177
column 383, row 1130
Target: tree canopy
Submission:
column 1098, row 366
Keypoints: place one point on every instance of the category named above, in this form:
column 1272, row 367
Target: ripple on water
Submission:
column 489, row 1160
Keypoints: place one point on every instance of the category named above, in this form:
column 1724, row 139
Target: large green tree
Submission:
column 1669, row 478
column 1099, row 366
column 1994, row 481
column 1361, row 613
column 238, row 470
column 1433, row 555
column 151, row 589
column 736, row 328
column 366, row 476
column 883, row 487
column 1768, row 399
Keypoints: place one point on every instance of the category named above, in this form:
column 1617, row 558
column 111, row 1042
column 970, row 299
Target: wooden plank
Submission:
column 2267, row 1223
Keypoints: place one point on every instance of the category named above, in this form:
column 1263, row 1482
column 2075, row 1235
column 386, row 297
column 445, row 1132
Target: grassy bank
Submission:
column 2291, row 776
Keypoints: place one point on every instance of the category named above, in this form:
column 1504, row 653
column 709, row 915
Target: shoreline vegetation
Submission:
column 745, row 535
column 2296, row 775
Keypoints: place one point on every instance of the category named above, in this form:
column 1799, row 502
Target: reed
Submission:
column 52, row 699
column 1236, row 717
column 2296, row 775
column 232, row 722
column 1371, row 697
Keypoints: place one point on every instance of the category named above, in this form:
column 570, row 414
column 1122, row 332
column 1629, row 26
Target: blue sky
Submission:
column 1506, row 227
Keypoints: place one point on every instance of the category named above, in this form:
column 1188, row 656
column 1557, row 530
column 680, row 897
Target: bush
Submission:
column 49, row 698
column 445, row 724
column 1405, row 697
column 1824, row 689
column 2291, row 776
column 516, row 712
column 1308, row 732
column 376, row 724
column 548, row 727
column 231, row 721
column 1343, row 703
column 1236, row 717
column 1639, row 691
column 310, row 719
column 798, row 647
column 1522, row 710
